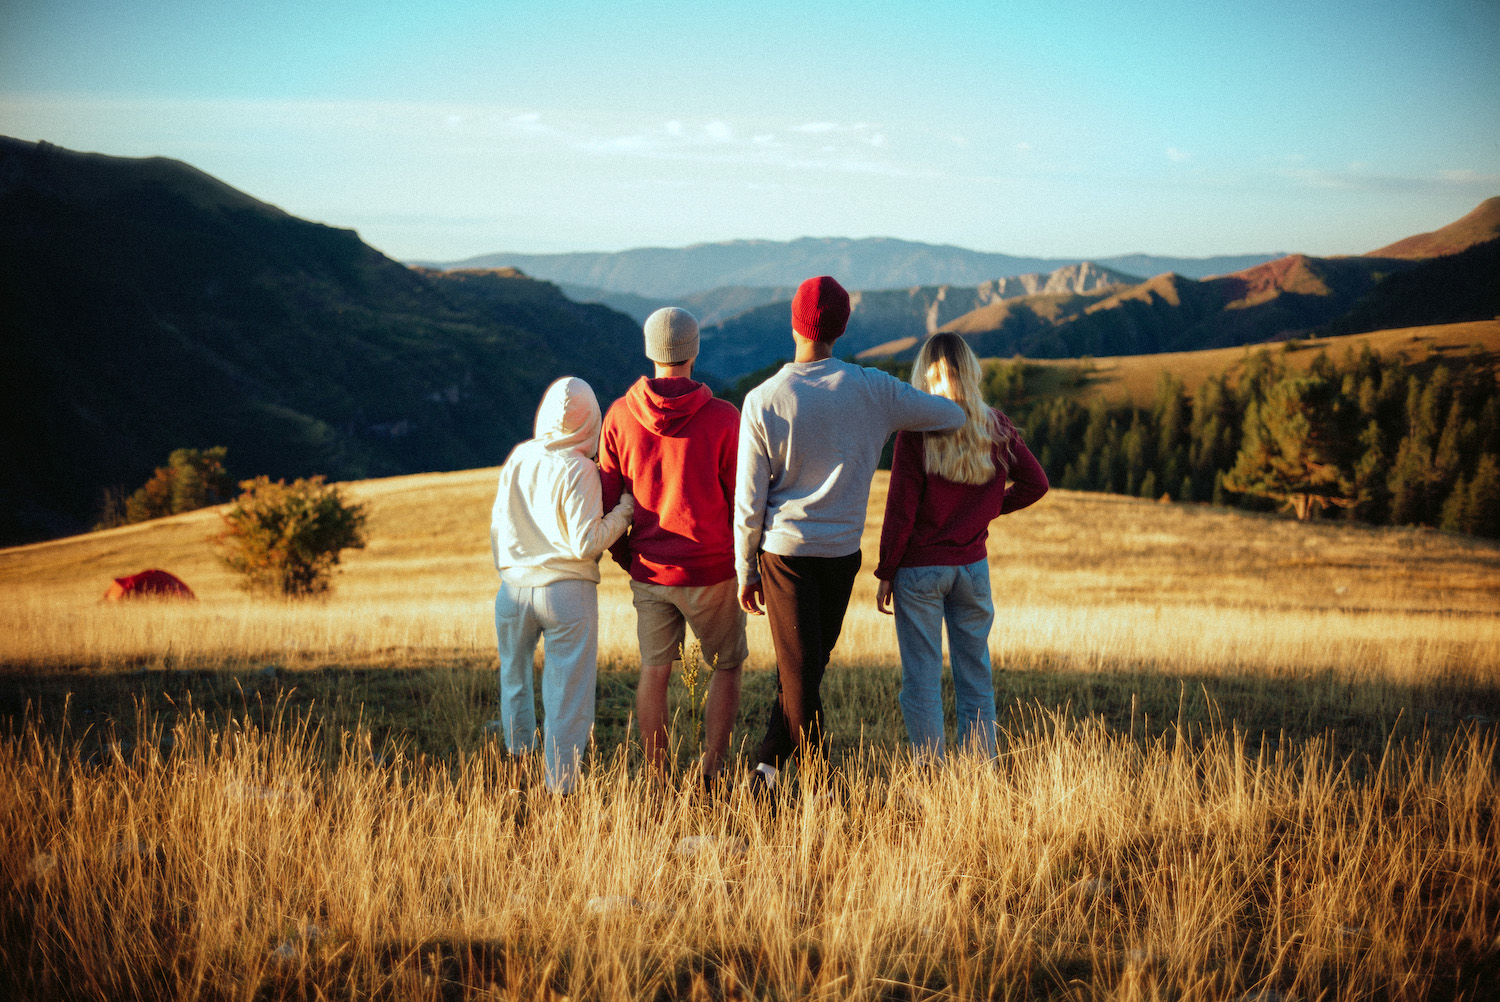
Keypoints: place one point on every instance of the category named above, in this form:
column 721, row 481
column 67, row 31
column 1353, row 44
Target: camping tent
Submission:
column 148, row 584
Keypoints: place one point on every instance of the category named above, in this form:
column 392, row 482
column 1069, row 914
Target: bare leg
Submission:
column 651, row 712
column 721, row 706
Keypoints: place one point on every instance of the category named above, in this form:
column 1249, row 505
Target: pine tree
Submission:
column 1213, row 428
column 1371, row 497
column 1409, row 482
column 1287, row 449
column 1446, row 459
column 1455, row 509
column 1482, row 513
column 1137, row 449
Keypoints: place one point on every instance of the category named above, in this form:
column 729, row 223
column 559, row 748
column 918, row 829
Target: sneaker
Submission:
column 761, row 791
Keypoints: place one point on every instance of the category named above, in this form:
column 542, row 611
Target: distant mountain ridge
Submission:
column 869, row 263
column 1293, row 296
column 758, row 337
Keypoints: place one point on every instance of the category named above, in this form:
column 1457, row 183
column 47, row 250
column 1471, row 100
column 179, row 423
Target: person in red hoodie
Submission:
column 672, row 445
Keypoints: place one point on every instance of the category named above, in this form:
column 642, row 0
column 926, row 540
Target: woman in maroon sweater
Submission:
column 945, row 489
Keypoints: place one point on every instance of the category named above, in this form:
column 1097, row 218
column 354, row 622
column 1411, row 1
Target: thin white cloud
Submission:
column 1177, row 156
column 1357, row 178
column 1465, row 175
column 816, row 127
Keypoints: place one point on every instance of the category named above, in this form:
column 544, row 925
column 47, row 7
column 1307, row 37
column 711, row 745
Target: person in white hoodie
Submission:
column 547, row 532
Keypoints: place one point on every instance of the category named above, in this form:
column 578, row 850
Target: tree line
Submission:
column 1383, row 440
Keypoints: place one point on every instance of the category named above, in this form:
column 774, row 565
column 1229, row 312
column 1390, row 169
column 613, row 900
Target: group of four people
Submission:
column 715, row 514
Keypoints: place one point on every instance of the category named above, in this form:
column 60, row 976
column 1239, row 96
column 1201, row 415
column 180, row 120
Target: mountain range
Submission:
column 757, row 337
column 664, row 273
column 1447, row 276
column 147, row 306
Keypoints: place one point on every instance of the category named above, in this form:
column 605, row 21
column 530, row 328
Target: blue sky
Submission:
column 1059, row 128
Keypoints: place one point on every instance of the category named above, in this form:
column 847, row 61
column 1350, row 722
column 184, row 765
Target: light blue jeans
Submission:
column 565, row 615
column 926, row 597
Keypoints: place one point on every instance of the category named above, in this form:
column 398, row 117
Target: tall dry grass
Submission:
column 206, row 851
column 1084, row 865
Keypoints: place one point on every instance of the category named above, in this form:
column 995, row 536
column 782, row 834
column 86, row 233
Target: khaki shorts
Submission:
column 713, row 611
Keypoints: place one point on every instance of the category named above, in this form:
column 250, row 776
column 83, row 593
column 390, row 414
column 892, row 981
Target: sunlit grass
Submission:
column 1086, row 864
column 1241, row 758
column 1088, row 581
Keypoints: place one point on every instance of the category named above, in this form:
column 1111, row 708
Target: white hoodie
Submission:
column 548, row 523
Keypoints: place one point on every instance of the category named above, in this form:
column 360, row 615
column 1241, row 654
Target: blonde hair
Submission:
column 946, row 366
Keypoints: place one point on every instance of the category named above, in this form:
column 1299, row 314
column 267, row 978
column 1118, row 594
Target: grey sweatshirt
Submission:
column 810, row 439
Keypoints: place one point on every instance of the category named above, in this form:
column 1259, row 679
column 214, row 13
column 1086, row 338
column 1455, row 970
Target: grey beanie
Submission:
column 671, row 336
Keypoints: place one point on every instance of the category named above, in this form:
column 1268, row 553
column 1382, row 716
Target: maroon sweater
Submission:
column 672, row 445
column 933, row 522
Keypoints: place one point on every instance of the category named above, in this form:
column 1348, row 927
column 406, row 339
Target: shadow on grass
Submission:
column 440, row 712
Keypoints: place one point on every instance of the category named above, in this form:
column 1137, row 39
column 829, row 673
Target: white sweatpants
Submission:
column 565, row 615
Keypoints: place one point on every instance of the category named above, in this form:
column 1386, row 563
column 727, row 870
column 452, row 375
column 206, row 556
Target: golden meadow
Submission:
column 1241, row 758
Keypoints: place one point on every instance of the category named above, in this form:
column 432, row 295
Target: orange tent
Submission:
column 152, row 583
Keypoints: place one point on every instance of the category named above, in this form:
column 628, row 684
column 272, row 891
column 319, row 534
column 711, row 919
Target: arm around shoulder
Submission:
column 913, row 410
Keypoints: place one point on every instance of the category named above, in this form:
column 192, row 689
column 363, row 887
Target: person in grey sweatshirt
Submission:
column 810, row 439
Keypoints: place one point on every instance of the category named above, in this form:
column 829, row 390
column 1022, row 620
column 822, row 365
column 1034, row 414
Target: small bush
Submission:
column 286, row 538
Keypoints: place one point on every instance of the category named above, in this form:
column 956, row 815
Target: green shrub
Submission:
column 286, row 538
column 192, row 478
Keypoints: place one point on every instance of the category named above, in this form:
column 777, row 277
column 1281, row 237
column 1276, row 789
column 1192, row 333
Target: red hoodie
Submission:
column 672, row 445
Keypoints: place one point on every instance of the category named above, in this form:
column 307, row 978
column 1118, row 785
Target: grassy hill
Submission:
column 158, row 308
column 1134, row 378
column 1092, row 582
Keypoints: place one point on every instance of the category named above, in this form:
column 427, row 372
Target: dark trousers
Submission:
column 806, row 598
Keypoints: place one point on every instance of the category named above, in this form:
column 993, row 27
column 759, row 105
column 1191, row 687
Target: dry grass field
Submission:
column 1242, row 758
column 1134, row 378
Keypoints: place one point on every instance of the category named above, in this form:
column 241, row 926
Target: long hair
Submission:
column 947, row 367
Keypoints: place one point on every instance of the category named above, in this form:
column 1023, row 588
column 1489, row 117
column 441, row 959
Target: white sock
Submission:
column 770, row 772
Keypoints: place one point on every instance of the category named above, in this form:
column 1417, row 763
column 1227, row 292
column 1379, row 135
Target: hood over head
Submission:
column 568, row 417
column 663, row 406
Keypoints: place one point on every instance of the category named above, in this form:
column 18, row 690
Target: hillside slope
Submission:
column 1480, row 226
column 157, row 307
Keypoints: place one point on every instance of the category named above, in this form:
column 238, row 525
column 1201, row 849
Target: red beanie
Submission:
column 820, row 309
